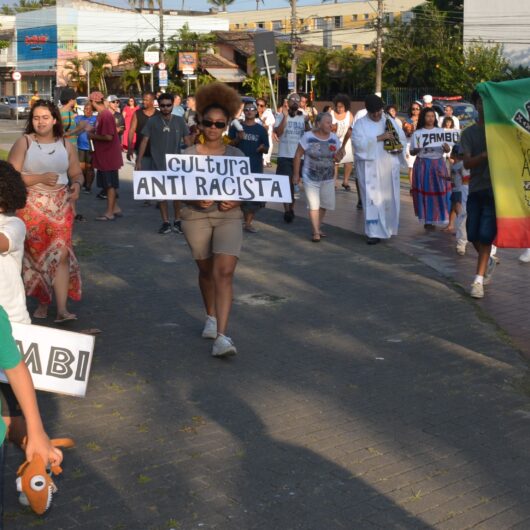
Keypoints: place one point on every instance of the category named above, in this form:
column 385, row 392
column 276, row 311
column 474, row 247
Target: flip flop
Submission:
column 69, row 317
column 316, row 238
column 105, row 218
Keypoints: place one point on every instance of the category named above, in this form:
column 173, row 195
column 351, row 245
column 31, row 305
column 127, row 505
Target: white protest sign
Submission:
column 58, row 361
column 217, row 178
column 435, row 137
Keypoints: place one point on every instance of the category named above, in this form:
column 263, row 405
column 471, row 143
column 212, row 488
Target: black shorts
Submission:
column 108, row 179
column 8, row 401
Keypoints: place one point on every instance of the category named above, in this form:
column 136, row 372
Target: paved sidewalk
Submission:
column 506, row 299
column 368, row 392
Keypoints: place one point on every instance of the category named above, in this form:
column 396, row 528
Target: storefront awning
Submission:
column 227, row 75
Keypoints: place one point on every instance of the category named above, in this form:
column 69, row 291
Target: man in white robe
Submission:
column 378, row 172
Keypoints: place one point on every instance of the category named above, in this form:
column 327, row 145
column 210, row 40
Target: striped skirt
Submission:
column 431, row 191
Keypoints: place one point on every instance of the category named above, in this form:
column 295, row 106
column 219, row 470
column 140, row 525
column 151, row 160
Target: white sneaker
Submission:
column 210, row 328
column 525, row 256
column 461, row 249
column 492, row 263
column 223, row 347
column 477, row 290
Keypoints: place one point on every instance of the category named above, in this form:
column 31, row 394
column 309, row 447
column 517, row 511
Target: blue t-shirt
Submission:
column 255, row 135
column 82, row 140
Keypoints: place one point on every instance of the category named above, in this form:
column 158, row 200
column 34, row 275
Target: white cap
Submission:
column 427, row 98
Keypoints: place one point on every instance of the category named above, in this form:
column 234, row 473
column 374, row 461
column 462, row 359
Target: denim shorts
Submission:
column 481, row 221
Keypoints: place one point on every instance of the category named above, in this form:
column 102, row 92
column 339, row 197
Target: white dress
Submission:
column 378, row 174
column 342, row 128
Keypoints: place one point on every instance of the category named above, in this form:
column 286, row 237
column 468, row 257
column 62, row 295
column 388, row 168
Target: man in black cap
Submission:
column 377, row 170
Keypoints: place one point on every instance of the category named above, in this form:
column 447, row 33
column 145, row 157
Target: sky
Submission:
column 203, row 5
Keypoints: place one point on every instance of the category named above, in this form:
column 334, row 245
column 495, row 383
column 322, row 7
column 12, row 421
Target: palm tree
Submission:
column 134, row 52
column 131, row 78
column 101, row 65
column 221, row 4
column 76, row 78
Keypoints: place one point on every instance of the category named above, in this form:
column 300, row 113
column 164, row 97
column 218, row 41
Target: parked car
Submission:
column 463, row 110
column 10, row 107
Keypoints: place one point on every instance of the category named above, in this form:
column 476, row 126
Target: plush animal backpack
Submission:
column 34, row 482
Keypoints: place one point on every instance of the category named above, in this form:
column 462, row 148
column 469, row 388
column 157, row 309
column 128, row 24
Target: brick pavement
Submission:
column 368, row 394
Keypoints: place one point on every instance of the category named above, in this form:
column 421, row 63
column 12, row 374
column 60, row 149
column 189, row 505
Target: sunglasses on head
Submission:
column 217, row 124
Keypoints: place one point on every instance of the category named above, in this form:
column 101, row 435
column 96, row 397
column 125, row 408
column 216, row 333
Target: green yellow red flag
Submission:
column 507, row 117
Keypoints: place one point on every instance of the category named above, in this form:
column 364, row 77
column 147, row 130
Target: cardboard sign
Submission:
column 435, row 137
column 58, row 361
column 217, row 178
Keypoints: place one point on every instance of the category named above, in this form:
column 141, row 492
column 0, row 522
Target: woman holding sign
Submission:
column 431, row 184
column 213, row 229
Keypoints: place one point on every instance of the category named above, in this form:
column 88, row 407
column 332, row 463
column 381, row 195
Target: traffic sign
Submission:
column 87, row 65
column 161, row 66
column 162, row 77
column 291, row 81
column 151, row 57
column 145, row 70
column 16, row 76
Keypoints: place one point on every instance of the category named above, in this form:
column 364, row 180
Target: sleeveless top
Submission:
column 44, row 158
column 141, row 120
column 342, row 125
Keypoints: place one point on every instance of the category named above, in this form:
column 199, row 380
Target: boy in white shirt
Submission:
column 460, row 178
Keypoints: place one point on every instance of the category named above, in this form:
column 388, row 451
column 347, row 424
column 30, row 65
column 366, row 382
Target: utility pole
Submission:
column 379, row 48
column 161, row 30
column 293, row 41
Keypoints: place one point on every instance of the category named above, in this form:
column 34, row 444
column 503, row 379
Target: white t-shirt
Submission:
column 294, row 129
column 12, row 294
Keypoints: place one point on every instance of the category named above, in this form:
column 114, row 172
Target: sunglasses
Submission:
column 416, row 108
column 217, row 124
column 250, row 109
column 165, row 105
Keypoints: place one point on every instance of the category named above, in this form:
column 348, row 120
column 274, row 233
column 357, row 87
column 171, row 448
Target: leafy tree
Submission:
column 101, row 65
column 26, row 5
column 257, row 85
column 133, row 52
column 221, row 4
column 75, row 77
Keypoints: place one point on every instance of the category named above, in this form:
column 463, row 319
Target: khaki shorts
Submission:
column 209, row 233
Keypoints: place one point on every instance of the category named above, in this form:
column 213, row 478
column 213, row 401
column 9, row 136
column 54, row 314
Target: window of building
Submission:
column 338, row 22
column 354, row 17
column 389, row 18
column 277, row 25
column 260, row 24
column 366, row 47
column 320, row 23
column 366, row 16
column 237, row 26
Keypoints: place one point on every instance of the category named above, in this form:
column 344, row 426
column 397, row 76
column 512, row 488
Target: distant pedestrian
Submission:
column 138, row 122
column 267, row 119
column 481, row 221
column 460, row 179
column 449, row 113
column 166, row 133
column 212, row 229
column 253, row 140
column 321, row 150
column 128, row 113
column 290, row 125
column 409, row 126
column 113, row 104
column 178, row 109
column 342, row 122
column 84, row 146
column 107, row 158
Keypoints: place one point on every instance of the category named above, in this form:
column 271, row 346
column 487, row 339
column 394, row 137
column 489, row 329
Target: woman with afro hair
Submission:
column 213, row 229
